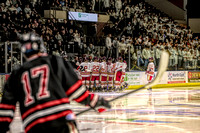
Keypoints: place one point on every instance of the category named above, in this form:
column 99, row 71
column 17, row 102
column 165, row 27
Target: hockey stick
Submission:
column 161, row 69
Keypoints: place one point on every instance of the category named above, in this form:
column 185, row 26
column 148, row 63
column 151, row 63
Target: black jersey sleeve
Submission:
column 7, row 105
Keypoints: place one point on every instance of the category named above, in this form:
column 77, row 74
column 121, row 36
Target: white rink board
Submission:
column 169, row 77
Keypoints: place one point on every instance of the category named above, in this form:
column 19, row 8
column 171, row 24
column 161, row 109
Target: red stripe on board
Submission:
column 7, row 106
column 74, row 87
column 48, row 118
column 5, row 119
column 82, row 97
column 45, row 105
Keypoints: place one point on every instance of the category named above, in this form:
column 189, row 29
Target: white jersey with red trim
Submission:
column 103, row 68
column 85, row 69
column 151, row 68
column 111, row 68
column 124, row 67
column 119, row 66
column 95, row 66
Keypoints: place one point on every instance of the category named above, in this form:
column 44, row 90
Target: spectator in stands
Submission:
column 8, row 3
column 93, row 4
column 118, row 5
column 27, row 9
column 58, row 37
column 91, row 50
column 12, row 8
column 184, row 54
column 109, row 46
column 115, row 47
column 18, row 8
column 62, row 2
column 3, row 8
column 106, row 5
column 122, row 48
column 158, row 54
column 146, row 55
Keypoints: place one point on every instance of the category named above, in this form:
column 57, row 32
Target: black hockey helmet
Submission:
column 31, row 43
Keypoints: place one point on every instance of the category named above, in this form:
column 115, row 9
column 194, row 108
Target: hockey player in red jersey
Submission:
column 150, row 70
column 95, row 66
column 111, row 73
column 118, row 73
column 103, row 74
column 85, row 72
column 44, row 86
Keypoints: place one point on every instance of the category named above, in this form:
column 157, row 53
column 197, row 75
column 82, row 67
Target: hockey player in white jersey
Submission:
column 150, row 70
column 111, row 73
column 118, row 73
column 85, row 72
column 104, row 74
column 95, row 66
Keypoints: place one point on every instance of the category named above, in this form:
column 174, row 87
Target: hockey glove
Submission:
column 99, row 104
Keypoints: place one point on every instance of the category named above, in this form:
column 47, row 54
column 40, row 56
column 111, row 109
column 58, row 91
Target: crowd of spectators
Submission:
column 59, row 37
column 137, row 28
column 147, row 32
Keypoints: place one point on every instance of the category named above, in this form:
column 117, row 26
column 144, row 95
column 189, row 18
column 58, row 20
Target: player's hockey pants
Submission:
column 103, row 81
column 86, row 81
column 118, row 79
column 96, row 79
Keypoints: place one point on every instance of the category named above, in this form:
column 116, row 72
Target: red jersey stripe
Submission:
column 5, row 119
column 45, row 105
column 7, row 106
column 74, row 87
column 82, row 97
column 91, row 96
column 48, row 118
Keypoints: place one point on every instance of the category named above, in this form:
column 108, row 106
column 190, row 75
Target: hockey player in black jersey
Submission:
column 44, row 87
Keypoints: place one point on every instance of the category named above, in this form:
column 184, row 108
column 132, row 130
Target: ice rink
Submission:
column 166, row 110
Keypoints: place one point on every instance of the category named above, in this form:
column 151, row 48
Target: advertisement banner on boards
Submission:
column 177, row 77
column 133, row 78
column 163, row 80
column 193, row 77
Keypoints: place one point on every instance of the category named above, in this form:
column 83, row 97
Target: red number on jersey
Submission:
column 44, row 72
column 95, row 68
column 85, row 68
column 43, row 85
column 27, row 89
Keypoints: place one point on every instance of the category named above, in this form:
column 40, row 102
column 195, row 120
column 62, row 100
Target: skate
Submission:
column 126, row 85
column 117, row 89
column 113, row 89
column 109, row 89
column 121, row 88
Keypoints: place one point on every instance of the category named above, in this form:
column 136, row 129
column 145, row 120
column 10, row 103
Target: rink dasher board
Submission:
column 169, row 79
